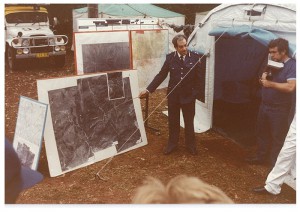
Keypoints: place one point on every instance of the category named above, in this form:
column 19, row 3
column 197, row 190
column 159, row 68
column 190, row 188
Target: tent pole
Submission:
column 157, row 131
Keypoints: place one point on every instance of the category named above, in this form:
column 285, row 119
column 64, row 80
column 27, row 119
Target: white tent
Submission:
column 230, row 23
column 200, row 15
column 233, row 39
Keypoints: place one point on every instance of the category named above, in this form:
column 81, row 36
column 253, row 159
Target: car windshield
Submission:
column 26, row 17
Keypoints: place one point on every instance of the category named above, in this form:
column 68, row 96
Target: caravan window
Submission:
column 254, row 12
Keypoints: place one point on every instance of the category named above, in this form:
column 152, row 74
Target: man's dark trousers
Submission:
column 272, row 128
column 188, row 111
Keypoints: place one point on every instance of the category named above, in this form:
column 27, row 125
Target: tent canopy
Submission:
column 234, row 10
column 146, row 10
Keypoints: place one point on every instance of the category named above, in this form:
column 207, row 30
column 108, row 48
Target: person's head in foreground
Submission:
column 17, row 177
column 180, row 190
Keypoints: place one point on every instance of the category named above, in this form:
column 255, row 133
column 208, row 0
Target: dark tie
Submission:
column 181, row 59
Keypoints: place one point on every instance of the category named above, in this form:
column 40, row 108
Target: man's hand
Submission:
column 144, row 94
column 264, row 75
column 263, row 78
column 266, row 83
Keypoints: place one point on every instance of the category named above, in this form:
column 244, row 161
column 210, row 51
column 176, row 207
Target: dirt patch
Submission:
column 219, row 162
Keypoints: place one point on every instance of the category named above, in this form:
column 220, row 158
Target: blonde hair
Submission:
column 181, row 189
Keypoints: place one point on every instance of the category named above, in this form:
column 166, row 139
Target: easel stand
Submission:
column 157, row 131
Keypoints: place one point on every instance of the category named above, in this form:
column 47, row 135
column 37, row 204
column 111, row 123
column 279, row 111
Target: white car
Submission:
column 28, row 35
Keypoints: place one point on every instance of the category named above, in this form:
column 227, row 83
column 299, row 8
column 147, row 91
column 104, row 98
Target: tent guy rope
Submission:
column 110, row 159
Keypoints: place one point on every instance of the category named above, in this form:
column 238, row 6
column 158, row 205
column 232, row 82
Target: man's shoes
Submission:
column 169, row 150
column 192, row 151
column 254, row 160
column 261, row 190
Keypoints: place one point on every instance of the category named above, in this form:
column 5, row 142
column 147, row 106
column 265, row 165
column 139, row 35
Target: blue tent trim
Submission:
column 260, row 35
column 198, row 51
column 147, row 10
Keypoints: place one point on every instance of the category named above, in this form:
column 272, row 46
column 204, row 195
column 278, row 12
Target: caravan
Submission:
column 232, row 40
column 143, row 14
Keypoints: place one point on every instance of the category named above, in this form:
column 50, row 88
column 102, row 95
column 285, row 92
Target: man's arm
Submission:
column 158, row 79
column 286, row 87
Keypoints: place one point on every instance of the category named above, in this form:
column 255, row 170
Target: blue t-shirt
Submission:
column 275, row 97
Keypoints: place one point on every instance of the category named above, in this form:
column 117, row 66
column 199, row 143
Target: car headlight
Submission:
column 51, row 41
column 25, row 42
column 15, row 41
column 19, row 51
column 62, row 48
column 25, row 51
column 56, row 48
column 59, row 39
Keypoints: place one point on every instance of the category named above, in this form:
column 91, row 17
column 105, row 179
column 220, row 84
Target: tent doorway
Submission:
column 238, row 62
